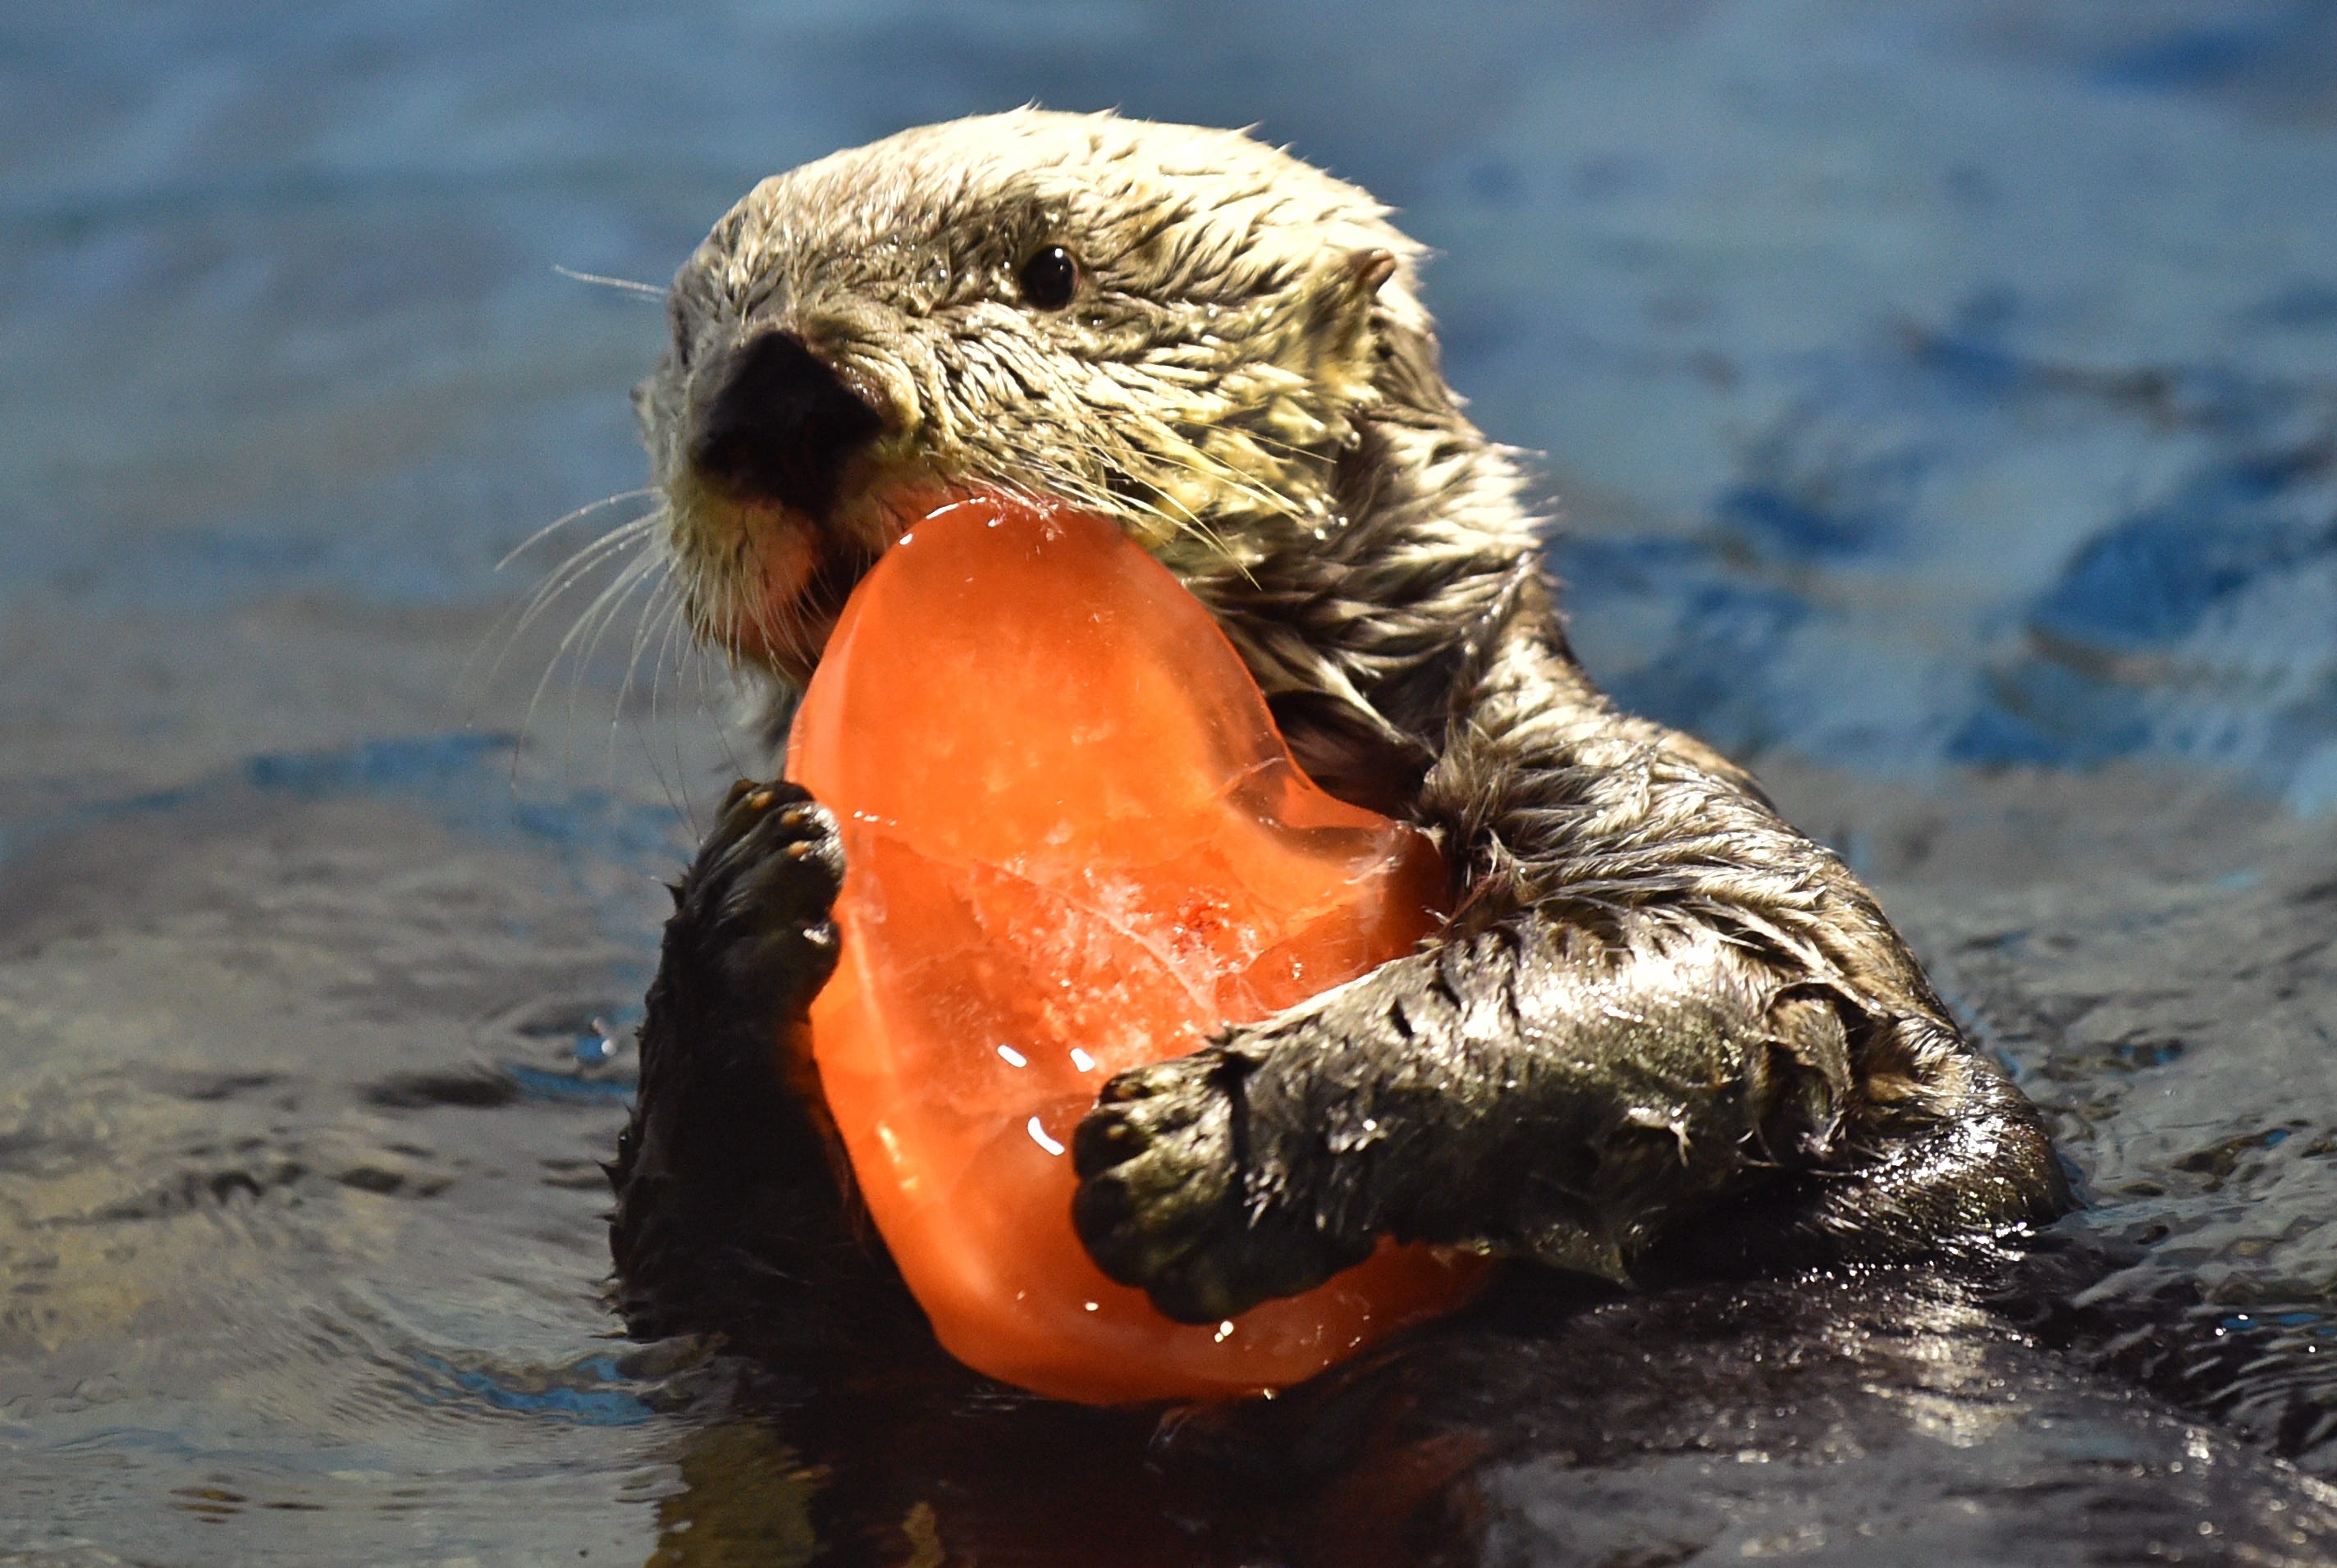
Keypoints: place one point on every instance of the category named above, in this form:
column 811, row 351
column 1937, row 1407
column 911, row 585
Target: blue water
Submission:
column 1933, row 399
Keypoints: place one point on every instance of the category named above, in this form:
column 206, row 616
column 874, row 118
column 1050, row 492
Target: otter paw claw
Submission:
column 756, row 901
column 1164, row 1204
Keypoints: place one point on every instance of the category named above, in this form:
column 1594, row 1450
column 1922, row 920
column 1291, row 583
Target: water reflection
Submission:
column 746, row 1498
column 1875, row 1420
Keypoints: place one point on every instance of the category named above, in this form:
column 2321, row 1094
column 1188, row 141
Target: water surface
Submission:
column 1936, row 400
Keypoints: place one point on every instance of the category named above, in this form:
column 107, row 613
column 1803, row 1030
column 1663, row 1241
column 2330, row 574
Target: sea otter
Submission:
column 1662, row 1033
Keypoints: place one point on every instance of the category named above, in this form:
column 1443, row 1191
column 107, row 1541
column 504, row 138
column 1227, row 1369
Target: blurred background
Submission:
column 1936, row 404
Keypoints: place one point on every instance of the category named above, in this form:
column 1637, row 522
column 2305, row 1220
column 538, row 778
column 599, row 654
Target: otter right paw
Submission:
column 754, row 909
column 1167, row 1162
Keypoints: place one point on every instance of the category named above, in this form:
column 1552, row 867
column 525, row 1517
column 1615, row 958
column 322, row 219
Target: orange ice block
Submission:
column 1075, row 843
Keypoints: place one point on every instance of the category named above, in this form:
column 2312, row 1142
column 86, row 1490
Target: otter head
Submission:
column 1180, row 328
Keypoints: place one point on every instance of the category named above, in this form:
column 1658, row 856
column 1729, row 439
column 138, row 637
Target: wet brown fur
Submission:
column 1665, row 1033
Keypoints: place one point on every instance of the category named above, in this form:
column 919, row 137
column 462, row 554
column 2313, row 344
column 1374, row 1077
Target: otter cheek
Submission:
column 1076, row 843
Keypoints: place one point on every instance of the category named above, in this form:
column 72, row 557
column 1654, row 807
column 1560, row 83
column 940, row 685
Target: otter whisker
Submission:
column 628, row 583
column 566, row 576
column 556, row 582
column 626, row 285
column 661, row 615
column 678, row 648
column 525, row 545
column 1217, row 470
column 656, row 611
column 660, row 575
column 623, row 583
column 668, row 618
column 617, row 541
column 538, row 607
column 585, row 628
column 1287, row 449
column 1183, row 520
column 779, row 625
column 1187, row 521
column 733, row 600
column 691, row 656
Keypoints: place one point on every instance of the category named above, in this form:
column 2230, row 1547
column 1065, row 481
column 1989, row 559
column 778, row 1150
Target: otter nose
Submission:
column 782, row 425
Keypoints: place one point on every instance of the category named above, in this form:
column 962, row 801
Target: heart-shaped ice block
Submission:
column 1075, row 843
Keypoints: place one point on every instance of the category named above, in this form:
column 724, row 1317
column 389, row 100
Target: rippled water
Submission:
column 1938, row 399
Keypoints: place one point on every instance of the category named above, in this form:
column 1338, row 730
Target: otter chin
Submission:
column 1662, row 1034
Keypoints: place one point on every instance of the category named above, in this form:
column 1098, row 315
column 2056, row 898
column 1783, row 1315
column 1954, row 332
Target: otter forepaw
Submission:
column 754, row 908
column 1167, row 1175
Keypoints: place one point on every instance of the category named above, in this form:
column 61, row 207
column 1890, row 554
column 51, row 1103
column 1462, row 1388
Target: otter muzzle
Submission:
column 780, row 425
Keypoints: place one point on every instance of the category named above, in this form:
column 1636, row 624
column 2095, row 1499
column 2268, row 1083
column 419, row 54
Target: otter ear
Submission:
column 1371, row 268
column 1340, row 347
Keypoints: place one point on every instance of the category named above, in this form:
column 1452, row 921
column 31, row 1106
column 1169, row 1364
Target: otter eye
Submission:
column 1049, row 278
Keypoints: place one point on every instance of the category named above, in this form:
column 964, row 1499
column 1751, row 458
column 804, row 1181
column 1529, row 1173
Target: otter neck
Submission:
column 1363, row 631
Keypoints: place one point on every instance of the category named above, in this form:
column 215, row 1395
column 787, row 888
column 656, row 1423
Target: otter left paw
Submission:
column 1164, row 1163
